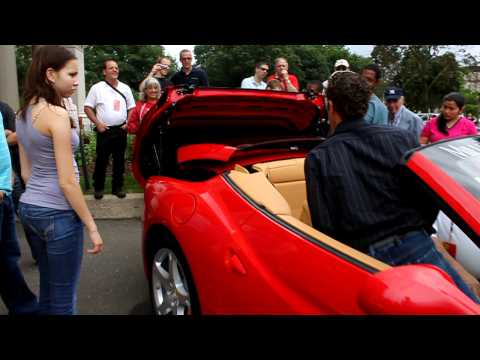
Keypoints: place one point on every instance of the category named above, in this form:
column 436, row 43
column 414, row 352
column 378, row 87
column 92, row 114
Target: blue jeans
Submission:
column 14, row 290
column 57, row 238
column 417, row 247
column 18, row 190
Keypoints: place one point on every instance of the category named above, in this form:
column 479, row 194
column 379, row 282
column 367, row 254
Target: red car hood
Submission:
column 235, row 108
column 221, row 121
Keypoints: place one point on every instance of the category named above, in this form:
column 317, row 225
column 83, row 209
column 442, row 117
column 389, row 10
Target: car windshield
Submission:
column 460, row 159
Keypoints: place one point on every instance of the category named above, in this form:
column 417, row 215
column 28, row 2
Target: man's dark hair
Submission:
column 260, row 63
column 107, row 61
column 314, row 82
column 375, row 68
column 349, row 93
column 459, row 100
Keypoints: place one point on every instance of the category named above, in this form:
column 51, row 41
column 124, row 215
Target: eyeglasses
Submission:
column 186, row 58
column 263, row 69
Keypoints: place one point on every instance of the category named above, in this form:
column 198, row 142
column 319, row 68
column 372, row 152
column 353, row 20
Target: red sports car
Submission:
column 227, row 227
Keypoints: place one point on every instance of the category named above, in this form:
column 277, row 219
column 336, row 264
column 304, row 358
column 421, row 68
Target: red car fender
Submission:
column 413, row 290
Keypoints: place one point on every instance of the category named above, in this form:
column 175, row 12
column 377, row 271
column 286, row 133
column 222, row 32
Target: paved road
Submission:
column 112, row 283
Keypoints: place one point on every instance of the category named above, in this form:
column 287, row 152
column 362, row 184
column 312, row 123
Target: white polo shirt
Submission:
column 250, row 83
column 110, row 105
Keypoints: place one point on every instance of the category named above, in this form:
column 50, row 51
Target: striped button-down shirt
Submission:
column 357, row 189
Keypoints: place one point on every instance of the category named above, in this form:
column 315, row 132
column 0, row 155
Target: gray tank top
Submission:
column 42, row 188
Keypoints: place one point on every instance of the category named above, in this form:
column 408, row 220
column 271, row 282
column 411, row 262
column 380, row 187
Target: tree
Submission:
column 23, row 55
column 135, row 62
column 422, row 71
column 472, row 102
column 227, row 65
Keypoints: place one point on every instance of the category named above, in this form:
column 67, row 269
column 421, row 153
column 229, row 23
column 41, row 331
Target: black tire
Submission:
column 167, row 242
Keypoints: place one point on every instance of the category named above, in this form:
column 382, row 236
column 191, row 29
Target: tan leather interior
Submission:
column 288, row 177
column 337, row 245
column 241, row 169
column 305, row 216
column 259, row 189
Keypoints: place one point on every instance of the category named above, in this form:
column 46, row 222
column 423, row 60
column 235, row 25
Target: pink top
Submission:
column 462, row 127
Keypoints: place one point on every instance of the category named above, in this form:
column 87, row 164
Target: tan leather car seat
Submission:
column 288, row 177
column 259, row 189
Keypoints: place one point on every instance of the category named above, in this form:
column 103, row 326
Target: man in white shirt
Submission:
column 256, row 81
column 108, row 105
column 340, row 65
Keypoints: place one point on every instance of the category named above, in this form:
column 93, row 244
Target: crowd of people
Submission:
column 367, row 134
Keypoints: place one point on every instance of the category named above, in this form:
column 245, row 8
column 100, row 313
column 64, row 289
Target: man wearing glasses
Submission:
column 256, row 81
column 189, row 75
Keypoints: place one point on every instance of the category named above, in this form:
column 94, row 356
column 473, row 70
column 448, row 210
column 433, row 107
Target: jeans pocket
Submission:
column 40, row 226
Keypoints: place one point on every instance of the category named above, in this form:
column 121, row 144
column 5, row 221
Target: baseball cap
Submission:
column 341, row 62
column 393, row 93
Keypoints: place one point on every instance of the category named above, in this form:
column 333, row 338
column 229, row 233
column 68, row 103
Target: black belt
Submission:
column 393, row 239
column 116, row 126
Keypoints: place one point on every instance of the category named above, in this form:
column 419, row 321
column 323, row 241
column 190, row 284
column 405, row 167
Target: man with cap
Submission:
column 340, row 65
column 398, row 114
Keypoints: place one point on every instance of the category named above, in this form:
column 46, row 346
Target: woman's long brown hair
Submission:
column 36, row 83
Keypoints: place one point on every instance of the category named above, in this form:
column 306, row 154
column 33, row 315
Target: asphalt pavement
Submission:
column 112, row 283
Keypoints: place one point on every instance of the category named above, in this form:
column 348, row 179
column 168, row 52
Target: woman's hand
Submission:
column 97, row 242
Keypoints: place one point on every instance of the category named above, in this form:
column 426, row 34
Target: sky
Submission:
column 363, row 50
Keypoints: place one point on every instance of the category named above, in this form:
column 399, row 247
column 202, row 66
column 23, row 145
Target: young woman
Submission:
column 150, row 93
column 450, row 123
column 52, row 208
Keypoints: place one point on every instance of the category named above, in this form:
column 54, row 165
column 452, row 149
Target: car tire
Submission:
column 170, row 293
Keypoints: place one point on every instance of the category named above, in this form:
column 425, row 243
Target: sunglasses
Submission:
column 263, row 69
column 187, row 58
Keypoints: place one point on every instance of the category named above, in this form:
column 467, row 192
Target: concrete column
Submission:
column 8, row 77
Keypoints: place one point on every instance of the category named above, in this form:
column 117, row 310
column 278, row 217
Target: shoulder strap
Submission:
column 118, row 91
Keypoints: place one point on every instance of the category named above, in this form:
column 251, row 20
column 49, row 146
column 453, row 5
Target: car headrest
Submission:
column 283, row 170
column 257, row 187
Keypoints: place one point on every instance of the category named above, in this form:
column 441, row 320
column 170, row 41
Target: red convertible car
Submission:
column 227, row 228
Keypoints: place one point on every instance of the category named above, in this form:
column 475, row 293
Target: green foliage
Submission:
column 227, row 65
column 24, row 58
column 472, row 102
column 424, row 74
column 134, row 61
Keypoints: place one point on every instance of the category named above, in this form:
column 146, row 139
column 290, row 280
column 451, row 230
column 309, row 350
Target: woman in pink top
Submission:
column 450, row 123
column 151, row 92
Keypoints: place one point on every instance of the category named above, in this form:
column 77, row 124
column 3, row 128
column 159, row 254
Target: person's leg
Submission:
column 418, row 248
column 14, row 291
column 119, row 148
column 38, row 224
column 64, row 252
column 101, row 162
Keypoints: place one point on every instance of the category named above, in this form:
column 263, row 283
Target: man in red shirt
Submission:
column 288, row 81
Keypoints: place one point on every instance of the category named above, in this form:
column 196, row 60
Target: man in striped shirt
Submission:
column 356, row 188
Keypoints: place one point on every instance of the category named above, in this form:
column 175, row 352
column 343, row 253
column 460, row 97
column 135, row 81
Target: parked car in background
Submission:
column 227, row 228
column 426, row 116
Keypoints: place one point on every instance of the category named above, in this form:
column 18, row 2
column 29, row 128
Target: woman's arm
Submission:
column 59, row 128
column 24, row 164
